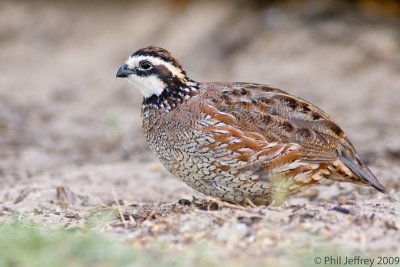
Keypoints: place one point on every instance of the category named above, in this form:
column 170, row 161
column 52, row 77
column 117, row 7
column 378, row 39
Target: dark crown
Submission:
column 158, row 52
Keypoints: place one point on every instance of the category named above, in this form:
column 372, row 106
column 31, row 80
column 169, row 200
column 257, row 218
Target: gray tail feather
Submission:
column 363, row 172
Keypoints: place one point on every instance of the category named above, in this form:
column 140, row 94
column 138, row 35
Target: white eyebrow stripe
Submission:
column 134, row 62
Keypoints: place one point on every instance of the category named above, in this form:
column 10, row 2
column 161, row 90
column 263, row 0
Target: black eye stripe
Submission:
column 153, row 71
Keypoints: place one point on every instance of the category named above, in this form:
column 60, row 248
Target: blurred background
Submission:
column 70, row 131
column 62, row 107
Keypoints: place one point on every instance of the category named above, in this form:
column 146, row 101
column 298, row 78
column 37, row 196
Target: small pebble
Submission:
column 72, row 215
column 341, row 209
column 185, row 202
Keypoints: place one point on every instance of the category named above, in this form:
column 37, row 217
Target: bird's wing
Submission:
column 284, row 119
column 280, row 117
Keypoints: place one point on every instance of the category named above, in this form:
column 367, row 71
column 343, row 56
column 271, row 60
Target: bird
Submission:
column 238, row 142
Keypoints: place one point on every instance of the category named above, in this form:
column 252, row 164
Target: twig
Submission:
column 250, row 203
column 119, row 208
column 224, row 204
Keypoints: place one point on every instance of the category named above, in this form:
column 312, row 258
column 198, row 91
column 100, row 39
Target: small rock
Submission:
column 72, row 215
column 249, row 220
column 345, row 201
column 341, row 209
column 184, row 202
column 308, row 215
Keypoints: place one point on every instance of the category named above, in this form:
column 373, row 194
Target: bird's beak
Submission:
column 124, row 71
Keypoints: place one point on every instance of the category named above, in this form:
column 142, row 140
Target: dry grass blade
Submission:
column 121, row 214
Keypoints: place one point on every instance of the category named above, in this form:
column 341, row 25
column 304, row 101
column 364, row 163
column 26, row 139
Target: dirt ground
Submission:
column 71, row 140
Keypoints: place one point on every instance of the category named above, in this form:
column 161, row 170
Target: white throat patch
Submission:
column 149, row 86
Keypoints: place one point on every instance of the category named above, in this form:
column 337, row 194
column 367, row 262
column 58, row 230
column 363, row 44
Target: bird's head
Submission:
column 156, row 74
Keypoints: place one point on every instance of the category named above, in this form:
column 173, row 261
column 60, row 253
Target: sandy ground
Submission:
column 71, row 142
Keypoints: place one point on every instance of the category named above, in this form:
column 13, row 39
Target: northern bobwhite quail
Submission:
column 238, row 141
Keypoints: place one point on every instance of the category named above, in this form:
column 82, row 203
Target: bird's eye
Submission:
column 145, row 65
